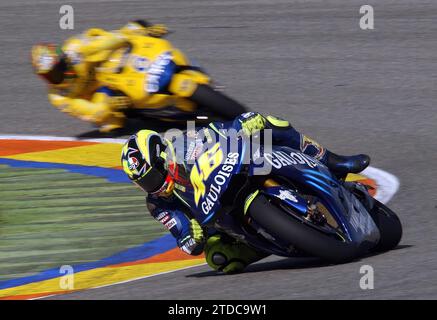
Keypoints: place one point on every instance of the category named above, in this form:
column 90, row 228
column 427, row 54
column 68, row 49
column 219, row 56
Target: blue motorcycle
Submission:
column 297, row 207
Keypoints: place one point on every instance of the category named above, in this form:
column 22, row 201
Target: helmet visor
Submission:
column 153, row 180
column 57, row 74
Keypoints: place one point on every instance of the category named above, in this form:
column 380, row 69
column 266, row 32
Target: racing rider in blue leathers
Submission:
column 144, row 161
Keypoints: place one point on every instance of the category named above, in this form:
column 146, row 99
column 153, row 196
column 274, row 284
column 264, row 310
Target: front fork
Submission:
column 361, row 192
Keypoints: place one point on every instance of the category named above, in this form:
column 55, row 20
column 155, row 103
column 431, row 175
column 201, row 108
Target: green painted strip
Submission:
column 51, row 217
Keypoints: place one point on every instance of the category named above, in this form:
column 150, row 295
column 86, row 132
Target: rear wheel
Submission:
column 281, row 225
column 389, row 227
column 217, row 103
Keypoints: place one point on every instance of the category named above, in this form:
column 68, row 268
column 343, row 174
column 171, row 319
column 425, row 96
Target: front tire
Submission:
column 282, row 226
column 389, row 226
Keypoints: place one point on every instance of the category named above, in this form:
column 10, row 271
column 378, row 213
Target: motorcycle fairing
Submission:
column 290, row 197
column 159, row 73
column 347, row 210
column 208, row 181
column 202, row 196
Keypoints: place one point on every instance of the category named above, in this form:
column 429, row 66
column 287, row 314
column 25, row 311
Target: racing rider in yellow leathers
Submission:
column 69, row 72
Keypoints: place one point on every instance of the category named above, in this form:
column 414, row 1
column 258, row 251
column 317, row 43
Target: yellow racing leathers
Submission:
column 79, row 94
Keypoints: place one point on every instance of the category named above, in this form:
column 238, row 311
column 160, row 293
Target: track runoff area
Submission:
column 42, row 265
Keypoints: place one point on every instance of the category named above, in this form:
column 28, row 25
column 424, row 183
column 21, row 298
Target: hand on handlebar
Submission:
column 252, row 122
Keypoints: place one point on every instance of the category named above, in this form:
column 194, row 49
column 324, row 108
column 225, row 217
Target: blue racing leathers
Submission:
column 174, row 215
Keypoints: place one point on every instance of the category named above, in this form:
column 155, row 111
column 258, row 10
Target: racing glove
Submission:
column 143, row 28
column 252, row 122
column 196, row 231
column 157, row 30
column 193, row 243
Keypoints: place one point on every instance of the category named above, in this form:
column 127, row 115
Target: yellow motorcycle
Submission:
column 161, row 83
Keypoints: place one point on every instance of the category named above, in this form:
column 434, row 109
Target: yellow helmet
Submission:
column 143, row 160
column 50, row 63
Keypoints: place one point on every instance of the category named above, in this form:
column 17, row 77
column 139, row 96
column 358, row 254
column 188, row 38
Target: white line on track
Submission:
column 387, row 186
column 53, row 138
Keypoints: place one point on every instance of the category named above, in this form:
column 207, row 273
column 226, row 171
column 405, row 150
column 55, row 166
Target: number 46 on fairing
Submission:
column 206, row 164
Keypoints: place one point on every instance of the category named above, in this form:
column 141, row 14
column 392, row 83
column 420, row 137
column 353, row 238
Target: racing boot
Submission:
column 228, row 255
column 342, row 165
column 339, row 165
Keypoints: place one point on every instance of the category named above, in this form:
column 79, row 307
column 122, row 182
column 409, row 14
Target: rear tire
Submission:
column 217, row 103
column 389, row 226
column 282, row 226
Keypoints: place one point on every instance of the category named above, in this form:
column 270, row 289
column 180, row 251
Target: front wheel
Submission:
column 389, row 227
column 282, row 226
column 217, row 103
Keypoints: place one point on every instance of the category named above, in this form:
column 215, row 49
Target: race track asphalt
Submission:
column 355, row 91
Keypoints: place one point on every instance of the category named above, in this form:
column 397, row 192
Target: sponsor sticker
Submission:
column 170, row 224
column 287, row 195
column 133, row 163
column 163, row 217
column 279, row 159
column 155, row 72
column 220, row 179
column 307, row 142
column 140, row 64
